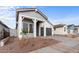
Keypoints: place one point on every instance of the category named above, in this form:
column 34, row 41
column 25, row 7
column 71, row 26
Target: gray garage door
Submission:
column 48, row 31
column 42, row 31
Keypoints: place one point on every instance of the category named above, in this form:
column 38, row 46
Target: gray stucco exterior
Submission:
column 4, row 30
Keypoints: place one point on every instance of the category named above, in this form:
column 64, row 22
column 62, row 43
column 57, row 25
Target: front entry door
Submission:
column 42, row 31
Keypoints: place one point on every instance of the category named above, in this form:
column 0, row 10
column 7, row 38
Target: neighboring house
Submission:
column 72, row 29
column 4, row 30
column 63, row 29
column 34, row 22
column 77, row 28
column 60, row 29
column 13, row 33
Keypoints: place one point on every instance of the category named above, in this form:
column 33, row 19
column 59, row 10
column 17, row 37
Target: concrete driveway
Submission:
column 67, row 45
column 67, row 41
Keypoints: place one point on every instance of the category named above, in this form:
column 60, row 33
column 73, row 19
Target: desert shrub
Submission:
column 72, row 36
column 24, row 32
column 22, row 43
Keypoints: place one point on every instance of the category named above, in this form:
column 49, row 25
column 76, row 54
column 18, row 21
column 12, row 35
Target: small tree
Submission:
column 24, row 32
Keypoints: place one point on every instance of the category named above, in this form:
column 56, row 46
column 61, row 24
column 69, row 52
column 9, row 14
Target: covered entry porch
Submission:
column 31, row 26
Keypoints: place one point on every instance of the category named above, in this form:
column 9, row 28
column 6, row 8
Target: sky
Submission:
column 55, row 14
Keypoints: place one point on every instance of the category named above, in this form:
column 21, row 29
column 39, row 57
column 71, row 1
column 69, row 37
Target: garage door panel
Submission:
column 48, row 31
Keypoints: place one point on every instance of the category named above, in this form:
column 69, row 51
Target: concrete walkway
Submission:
column 67, row 45
column 67, row 41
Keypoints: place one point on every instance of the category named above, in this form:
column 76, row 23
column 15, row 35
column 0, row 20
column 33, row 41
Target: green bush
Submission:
column 24, row 32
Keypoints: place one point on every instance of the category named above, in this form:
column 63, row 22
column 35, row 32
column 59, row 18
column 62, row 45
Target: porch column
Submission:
column 44, row 30
column 34, row 31
column 39, row 31
column 52, row 31
column 20, row 27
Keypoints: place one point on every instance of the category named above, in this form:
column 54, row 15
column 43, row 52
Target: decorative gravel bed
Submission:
column 26, row 45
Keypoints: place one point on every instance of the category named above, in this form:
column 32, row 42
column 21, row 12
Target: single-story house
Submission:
column 34, row 22
column 77, row 28
column 63, row 29
column 4, row 30
column 59, row 29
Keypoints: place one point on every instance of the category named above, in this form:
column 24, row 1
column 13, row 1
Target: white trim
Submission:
column 20, row 27
column 28, row 28
column 29, row 17
column 52, row 31
column 44, row 29
column 35, row 21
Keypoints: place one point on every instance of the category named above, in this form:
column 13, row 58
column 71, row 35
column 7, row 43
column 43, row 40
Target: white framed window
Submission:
column 25, row 27
column 68, row 31
column 64, row 29
column 30, row 28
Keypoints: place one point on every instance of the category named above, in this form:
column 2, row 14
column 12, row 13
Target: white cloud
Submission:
column 66, row 20
column 7, row 15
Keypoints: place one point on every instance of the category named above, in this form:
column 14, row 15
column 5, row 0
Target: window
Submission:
column 54, row 29
column 16, row 26
column 75, row 30
column 30, row 28
column 48, row 31
column 68, row 31
column 25, row 27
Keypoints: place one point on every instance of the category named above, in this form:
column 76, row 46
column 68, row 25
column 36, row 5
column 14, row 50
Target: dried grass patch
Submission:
column 22, row 43
column 27, row 45
column 72, row 36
